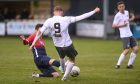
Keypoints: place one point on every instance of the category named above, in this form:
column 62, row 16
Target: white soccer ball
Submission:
column 75, row 71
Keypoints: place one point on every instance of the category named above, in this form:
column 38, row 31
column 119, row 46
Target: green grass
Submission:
column 96, row 60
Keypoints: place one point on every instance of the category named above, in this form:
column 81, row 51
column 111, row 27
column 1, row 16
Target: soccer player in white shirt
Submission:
column 57, row 27
column 121, row 21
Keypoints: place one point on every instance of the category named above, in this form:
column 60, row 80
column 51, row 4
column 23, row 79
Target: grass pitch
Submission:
column 96, row 60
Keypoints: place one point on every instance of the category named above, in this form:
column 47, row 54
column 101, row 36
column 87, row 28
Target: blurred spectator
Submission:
column 1, row 16
column 24, row 14
column 12, row 14
column 6, row 13
column 18, row 17
column 31, row 16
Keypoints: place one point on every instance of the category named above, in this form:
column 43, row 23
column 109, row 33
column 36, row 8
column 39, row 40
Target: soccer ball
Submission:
column 75, row 71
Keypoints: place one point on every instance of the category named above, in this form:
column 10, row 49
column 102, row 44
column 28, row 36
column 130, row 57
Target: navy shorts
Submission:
column 42, row 61
column 42, row 64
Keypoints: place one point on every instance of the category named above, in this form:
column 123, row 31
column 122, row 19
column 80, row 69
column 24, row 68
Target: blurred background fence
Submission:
column 20, row 16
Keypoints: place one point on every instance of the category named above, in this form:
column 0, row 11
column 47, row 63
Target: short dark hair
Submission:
column 58, row 8
column 38, row 26
column 120, row 2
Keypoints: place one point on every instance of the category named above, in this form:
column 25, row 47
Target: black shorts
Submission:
column 129, row 42
column 67, row 51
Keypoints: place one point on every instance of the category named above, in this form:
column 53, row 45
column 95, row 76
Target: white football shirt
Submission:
column 121, row 18
column 57, row 26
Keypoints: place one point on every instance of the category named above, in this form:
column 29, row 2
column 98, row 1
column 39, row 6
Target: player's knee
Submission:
column 72, row 59
column 126, row 51
column 56, row 74
column 51, row 61
column 136, row 49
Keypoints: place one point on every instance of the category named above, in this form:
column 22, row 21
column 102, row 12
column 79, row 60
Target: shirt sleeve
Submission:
column 116, row 20
column 45, row 26
column 81, row 17
column 30, row 39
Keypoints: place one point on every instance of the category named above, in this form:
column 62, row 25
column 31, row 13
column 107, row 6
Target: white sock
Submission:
column 68, row 69
column 37, row 75
column 121, row 58
column 66, row 63
column 132, row 58
column 62, row 64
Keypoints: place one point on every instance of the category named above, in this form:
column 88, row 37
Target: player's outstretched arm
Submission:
column 86, row 15
column 119, row 25
column 25, row 42
column 22, row 37
column 132, row 17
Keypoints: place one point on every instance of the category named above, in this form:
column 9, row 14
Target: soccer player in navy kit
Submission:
column 41, row 59
column 57, row 26
column 121, row 21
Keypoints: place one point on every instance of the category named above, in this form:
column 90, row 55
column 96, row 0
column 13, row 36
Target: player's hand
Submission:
column 22, row 37
column 30, row 48
column 125, row 23
column 97, row 9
